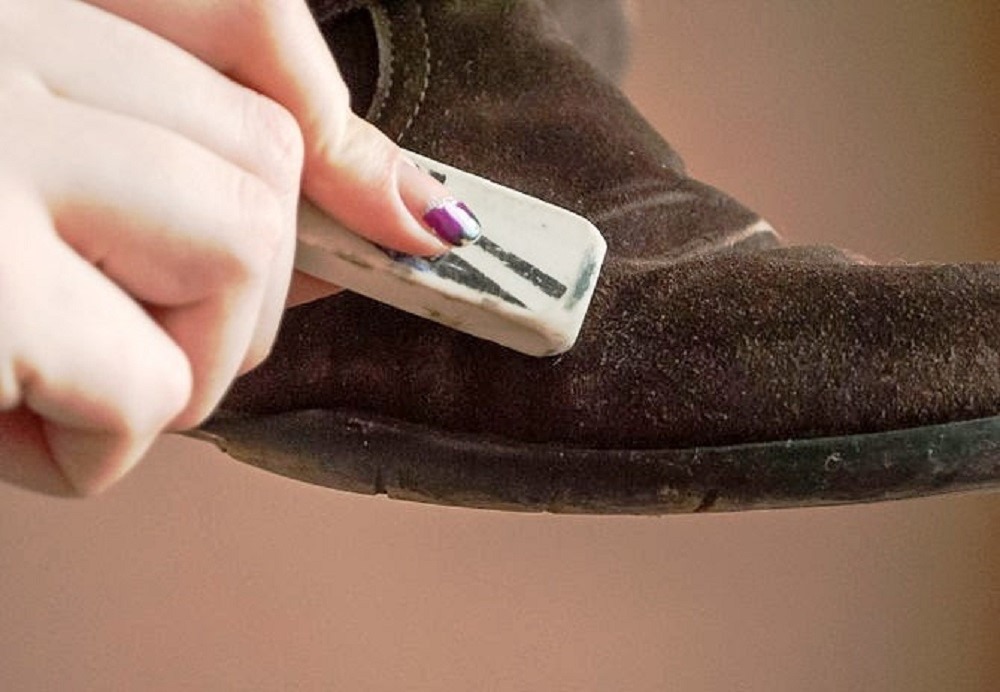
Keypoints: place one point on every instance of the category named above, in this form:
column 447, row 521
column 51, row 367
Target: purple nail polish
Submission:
column 453, row 221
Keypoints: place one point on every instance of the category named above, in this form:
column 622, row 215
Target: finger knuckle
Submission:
column 259, row 16
column 271, row 11
column 156, row 386
column 372, row 155
column 261, row 225
column 18, row 83
column 174, row 392
column 274, row 133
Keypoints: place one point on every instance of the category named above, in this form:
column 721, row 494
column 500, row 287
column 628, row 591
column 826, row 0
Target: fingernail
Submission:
column 453, row 221
column 430, row 202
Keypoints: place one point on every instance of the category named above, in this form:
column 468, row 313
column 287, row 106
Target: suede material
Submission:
column 723, row 349
column 520, row 106
column 496, row 89
column 689, row 341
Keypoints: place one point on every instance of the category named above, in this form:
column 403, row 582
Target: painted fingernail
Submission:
column 453, row 221
column 431, row 203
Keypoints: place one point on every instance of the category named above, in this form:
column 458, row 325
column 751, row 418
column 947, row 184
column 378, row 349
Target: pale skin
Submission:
column 152, row 155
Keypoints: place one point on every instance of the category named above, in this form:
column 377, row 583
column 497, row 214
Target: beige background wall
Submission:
column 844, row 123
column 874, row 125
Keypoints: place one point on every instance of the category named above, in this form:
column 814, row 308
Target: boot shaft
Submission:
column 494, row 87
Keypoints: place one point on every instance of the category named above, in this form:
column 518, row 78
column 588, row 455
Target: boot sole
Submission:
column 372, row 455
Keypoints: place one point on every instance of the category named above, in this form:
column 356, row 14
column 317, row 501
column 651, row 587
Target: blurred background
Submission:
column 869, row 125
column 865, row 125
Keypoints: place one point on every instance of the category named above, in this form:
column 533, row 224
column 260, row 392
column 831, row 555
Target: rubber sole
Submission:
column 365, row 454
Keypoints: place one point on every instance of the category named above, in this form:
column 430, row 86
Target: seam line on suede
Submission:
column 331, row 10
column 386, row 55
column 670, row 197
column 425, row 87
column 384, row 40
column 699, row 248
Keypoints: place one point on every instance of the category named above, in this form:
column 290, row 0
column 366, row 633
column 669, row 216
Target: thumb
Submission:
column 371, row 186
column 352, row 170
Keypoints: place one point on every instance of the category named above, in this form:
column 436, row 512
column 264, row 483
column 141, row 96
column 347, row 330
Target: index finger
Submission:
column 275, row 47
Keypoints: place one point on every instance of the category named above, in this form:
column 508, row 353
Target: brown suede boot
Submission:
column 714, row 371
column 496, row 89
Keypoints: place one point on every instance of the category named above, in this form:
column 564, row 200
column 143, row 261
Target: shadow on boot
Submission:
column 715, row 371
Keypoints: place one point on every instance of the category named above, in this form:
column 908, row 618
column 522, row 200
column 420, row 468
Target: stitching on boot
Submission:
column 653, row 200
column 386, row 60
column 332, row 10
column 735, row 239
column 383, row 38
column 425, row 86
column 655, row 193
column 699, row 247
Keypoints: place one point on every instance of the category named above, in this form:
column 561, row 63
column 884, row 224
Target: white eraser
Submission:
column 526, row 283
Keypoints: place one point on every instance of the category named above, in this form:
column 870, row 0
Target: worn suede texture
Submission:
column 495, row 88
column 701, row 332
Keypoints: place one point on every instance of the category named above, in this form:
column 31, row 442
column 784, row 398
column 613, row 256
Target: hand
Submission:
column 152, row 154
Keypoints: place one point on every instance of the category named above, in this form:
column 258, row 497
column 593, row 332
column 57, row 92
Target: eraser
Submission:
column 526, row 283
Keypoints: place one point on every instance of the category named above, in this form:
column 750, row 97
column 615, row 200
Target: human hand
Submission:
column 152, row 156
